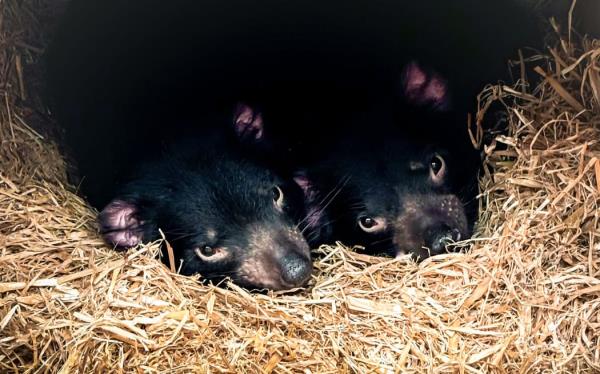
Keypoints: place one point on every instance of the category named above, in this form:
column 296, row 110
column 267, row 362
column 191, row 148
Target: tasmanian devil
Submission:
column 304, row 61
column 392, row 184
column 224, row 212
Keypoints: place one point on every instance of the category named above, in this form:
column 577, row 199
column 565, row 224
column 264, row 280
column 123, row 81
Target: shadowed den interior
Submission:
column 299, row 186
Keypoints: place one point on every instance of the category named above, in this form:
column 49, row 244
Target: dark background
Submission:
column 126, row 76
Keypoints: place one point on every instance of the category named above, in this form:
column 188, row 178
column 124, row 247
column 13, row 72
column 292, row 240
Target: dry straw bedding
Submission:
column 524, row 298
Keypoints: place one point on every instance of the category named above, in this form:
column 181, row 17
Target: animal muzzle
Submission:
column 276, row 260
column 439, row 235
column 428, row 224
column 295, row 269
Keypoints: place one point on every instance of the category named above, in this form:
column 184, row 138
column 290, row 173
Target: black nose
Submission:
column 296, row 269
column 438, row 236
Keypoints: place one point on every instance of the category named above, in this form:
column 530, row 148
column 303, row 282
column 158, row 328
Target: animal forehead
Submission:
column 228, row 196
column 216, row 217
column 210, row 233
column 391, row 199
column 381, row 170
column 246, row 196
column 382, row 203
column 382, row 183
column 386, row 145
column 232, row 178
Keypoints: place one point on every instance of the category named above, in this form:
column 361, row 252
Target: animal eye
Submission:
column 436, row 164
column 366, row 222
column 437, row 169
column 207, row 251
column 278, row 196
column 371, row 224
column 212, row 254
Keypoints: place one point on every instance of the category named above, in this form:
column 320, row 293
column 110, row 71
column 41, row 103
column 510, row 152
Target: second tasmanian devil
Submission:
column 394, row 183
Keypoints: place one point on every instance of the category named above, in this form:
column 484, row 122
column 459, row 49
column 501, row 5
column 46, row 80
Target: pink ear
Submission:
column 314, row 214
column 119, row 225
column 248, row 123
column 424, row 88
column 302, row 180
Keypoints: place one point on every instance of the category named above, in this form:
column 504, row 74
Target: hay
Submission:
column 523, row 299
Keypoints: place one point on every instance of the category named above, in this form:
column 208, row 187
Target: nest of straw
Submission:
column 524, row 298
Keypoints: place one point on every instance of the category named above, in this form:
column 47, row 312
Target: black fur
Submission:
column 206, row 192
column 125, row 76
column 120, row 70
column 368, row 173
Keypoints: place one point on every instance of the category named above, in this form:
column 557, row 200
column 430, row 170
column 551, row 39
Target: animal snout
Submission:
column 429, row 224
column 295, row 269
column 438, row 235
column 277, row 259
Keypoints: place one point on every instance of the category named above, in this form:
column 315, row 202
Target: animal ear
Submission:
column 423, row 87
column 315, row 212
column 120, row 224
column 305, row 184
column 248, row 123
